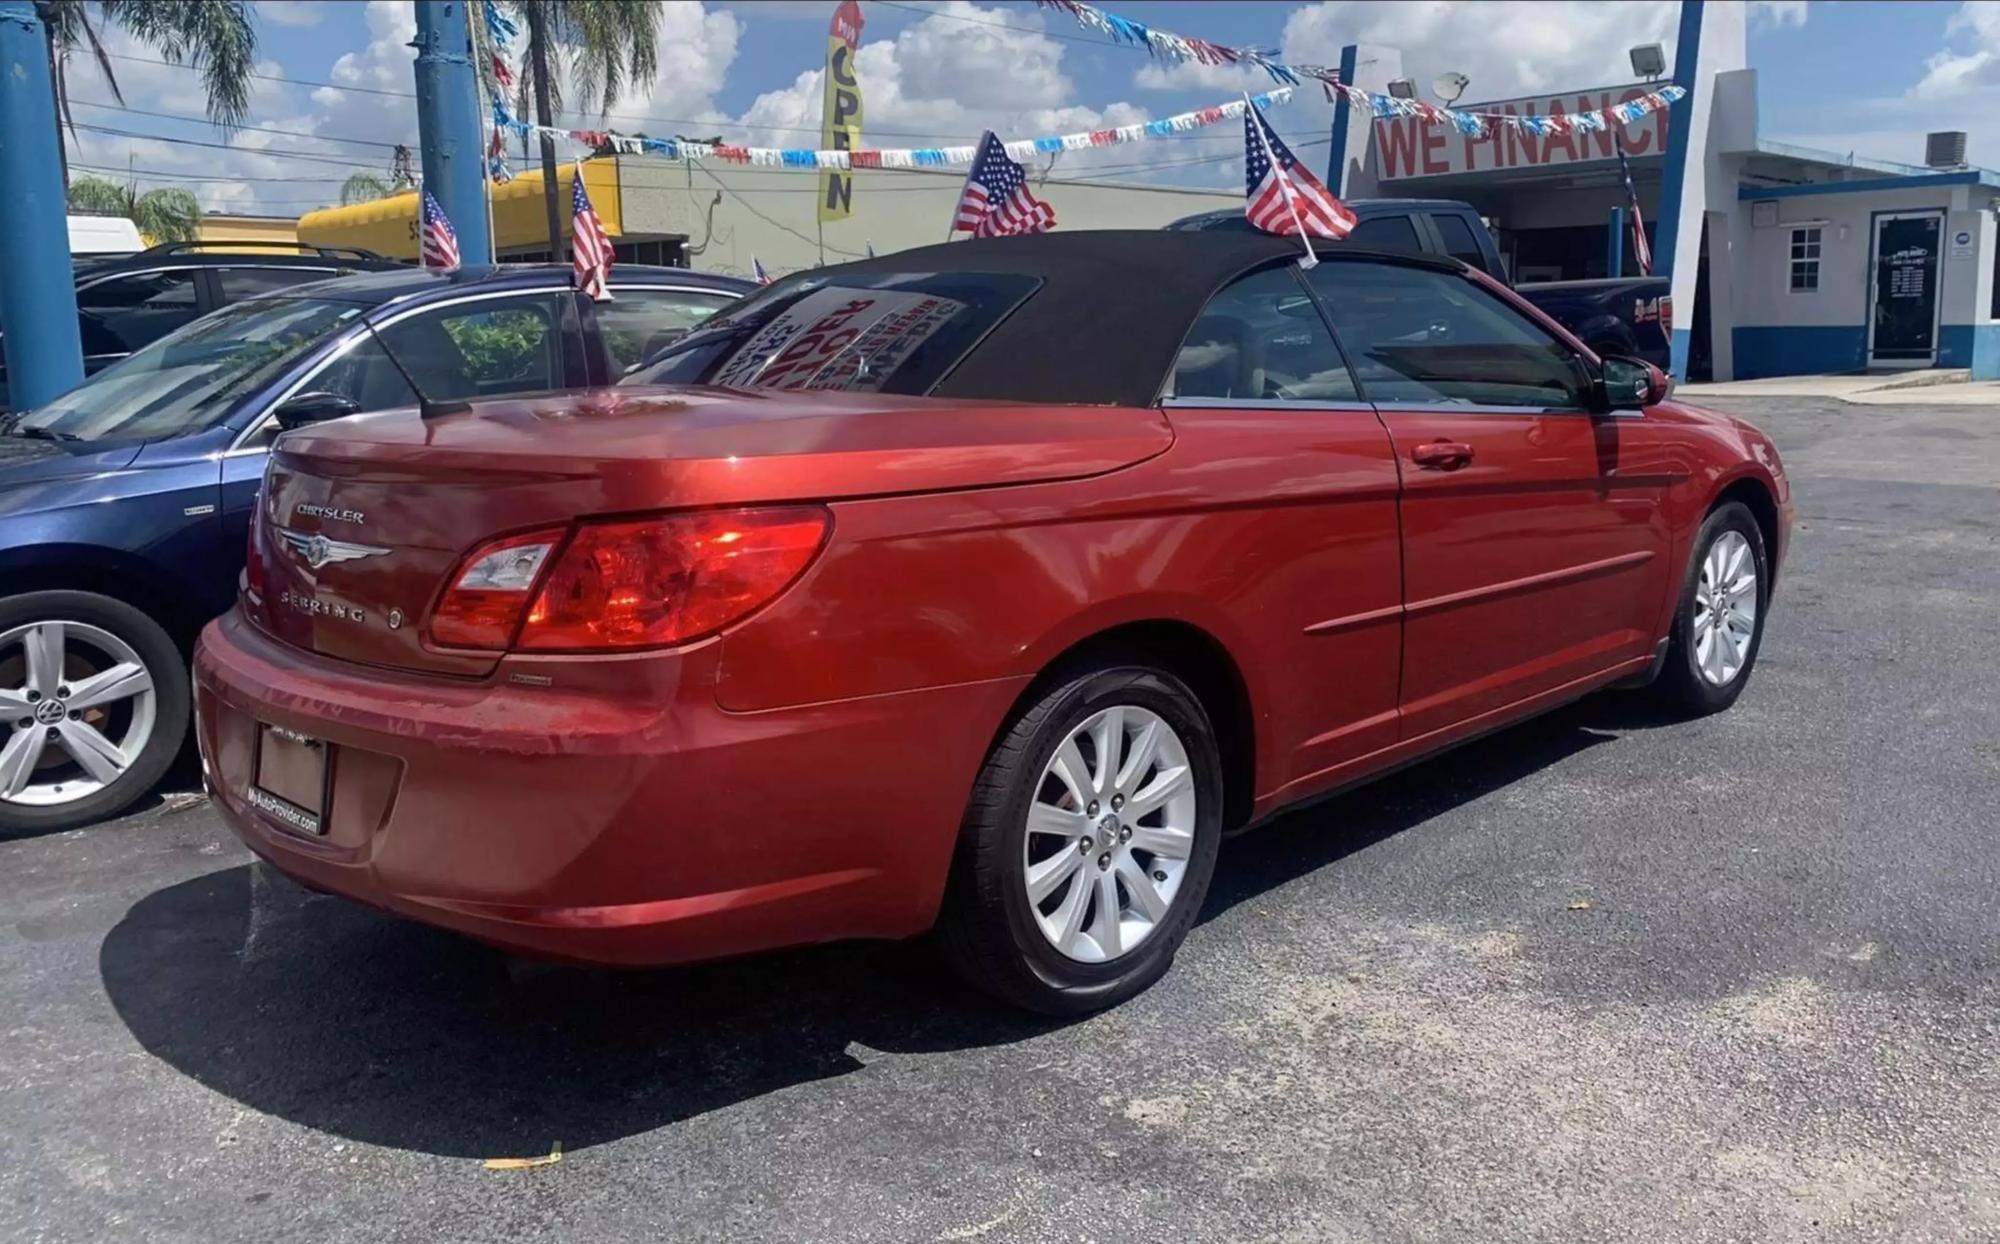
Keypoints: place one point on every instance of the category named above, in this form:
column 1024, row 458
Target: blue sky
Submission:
column 1869, row 77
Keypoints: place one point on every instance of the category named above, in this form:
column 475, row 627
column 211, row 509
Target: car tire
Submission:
column 1711, row 651
column 144, row 715
column 1151, row 857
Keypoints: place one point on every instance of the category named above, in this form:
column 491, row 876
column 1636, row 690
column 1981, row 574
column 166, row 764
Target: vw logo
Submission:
column 50, row 712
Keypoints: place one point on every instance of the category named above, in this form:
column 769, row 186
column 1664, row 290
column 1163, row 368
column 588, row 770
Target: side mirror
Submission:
column 1633, row 384
column 316, row 407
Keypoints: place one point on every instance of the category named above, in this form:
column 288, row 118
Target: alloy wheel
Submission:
column 1725, row 609
column 77, row 707
column 1110, row 830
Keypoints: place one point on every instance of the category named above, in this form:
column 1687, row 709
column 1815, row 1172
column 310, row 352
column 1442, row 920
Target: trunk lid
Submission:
column 362, row 520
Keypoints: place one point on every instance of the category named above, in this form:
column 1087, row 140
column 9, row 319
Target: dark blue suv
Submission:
column 124, row 503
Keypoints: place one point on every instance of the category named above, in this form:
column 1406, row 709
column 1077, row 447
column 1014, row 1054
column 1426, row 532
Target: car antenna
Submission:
column 426, row 408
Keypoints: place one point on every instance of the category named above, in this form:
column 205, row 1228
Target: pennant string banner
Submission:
column 1021, row 149
column 501, row 33
column 1167, row 46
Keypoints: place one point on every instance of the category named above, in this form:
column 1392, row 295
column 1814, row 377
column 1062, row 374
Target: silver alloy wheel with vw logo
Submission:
column 1110, row 828
column 1725, row 609
column 77, row 706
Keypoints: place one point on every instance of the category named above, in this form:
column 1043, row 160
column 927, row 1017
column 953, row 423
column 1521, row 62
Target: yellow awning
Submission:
column 520, row 222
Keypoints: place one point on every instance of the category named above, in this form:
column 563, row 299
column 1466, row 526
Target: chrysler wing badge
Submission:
column 318, row 550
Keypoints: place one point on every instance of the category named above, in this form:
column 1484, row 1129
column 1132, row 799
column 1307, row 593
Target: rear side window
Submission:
column 241, row 283
column 635, row 319
column 884, row 332
column 1438, row 339
column 1261, row 339
column 127, row 312
column 1459, row 242
column 481, row 349
column 1387, row 233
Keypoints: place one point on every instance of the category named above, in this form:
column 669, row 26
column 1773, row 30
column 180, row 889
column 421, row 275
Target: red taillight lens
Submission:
column 652, row 582
column 490, row 589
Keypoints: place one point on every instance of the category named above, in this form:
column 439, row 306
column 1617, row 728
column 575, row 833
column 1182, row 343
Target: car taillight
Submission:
column 652, row 582
column 490, row 589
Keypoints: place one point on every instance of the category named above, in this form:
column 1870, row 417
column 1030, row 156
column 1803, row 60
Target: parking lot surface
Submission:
column 1607, row 975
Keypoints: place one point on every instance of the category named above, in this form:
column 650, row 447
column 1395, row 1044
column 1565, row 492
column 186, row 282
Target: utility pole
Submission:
column 448, row 124
column 538, row 53
column 37, row 287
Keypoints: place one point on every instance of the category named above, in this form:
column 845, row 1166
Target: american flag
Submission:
column 757, row 272
column 996, row 201
column 589, row 244
column 440, row 242
column 1641, row 250
column 1281, row 195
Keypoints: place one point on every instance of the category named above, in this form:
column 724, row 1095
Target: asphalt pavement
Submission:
column 1605, row 976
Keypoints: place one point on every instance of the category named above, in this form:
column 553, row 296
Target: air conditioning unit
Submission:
column 1945, row 149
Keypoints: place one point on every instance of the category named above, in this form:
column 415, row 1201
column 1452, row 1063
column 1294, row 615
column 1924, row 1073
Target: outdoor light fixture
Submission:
column 1403, row 88
column 1649, row 61
column 1449, row 86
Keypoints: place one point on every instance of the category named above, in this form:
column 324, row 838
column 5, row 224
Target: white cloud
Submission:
column 1971, row 74
column 1778, row 12
column 291, row 12
column 1960, row 86
column 1507, row 49
column 1191, row 75
column 935, row 82
column 697, row 47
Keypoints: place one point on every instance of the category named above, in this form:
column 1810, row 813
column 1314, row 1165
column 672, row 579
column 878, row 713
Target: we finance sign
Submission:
column 1412, row 147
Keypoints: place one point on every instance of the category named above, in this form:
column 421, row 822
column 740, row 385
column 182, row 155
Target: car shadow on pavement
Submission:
column 378, row 1030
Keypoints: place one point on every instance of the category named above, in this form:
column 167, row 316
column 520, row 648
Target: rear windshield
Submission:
column 859, row 332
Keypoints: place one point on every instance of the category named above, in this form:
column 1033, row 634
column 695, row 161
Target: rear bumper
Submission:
column 648, row 826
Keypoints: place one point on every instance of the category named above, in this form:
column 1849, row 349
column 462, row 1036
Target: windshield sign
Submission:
column 190, row 380
column 838, row 339
column 857, row 332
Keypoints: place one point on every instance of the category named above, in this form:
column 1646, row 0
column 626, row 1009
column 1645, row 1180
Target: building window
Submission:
column 1805, row 261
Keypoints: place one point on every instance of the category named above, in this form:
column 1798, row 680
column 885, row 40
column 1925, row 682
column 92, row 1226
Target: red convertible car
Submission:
column 979, row 588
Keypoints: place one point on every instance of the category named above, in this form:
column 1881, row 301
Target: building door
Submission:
column 1903, row 311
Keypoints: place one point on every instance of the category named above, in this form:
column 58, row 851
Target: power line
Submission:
column 775, row 224
column 196, row 142
column 259, row 129
column 160, row 174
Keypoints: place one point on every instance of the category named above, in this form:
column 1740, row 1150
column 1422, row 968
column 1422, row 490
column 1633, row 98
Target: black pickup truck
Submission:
column 1632, row 315
column 1413, row 226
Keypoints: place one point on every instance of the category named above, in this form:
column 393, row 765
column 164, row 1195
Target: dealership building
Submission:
column 1796, row 261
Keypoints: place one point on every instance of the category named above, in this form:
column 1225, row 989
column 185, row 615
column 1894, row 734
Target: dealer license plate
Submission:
column 290, row 784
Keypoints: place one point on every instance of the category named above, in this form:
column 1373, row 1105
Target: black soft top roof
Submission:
column 1112, row 310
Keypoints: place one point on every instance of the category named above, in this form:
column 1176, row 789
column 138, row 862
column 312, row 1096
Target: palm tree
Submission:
column 363, row 188
column 164, row 215
column 215, row 36
column 599, row 45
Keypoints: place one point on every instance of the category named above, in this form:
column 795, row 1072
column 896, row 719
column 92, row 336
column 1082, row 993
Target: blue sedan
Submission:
column 125, row 503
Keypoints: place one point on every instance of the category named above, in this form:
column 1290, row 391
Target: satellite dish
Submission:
column 1449, row 86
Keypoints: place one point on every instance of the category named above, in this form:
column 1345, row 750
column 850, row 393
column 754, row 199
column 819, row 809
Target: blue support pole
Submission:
column 448, row 124
column 37, row 286
column 1614, row 244
column 1673, row 183
column 1343, row 116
